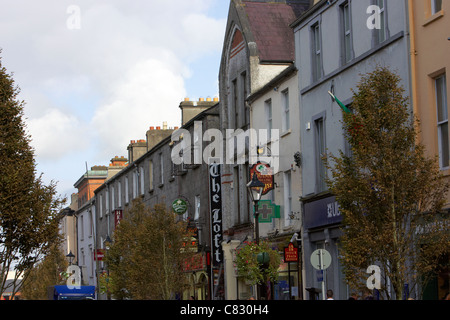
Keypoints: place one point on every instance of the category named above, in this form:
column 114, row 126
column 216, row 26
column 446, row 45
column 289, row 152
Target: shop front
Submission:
column 322, row 221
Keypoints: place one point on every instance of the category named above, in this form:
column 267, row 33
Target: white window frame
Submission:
column 435, row 7
column 440, row 83
column 286, row 125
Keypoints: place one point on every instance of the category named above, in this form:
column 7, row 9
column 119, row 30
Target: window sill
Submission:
column 433, row 18
column 285, row 133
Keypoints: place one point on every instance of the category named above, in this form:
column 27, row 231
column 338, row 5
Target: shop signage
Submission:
column 179, row 206
column 215, row 185
column 322, row 212
column 117, row 217
column 264, row 173
column 290, row 253
column 268, row 211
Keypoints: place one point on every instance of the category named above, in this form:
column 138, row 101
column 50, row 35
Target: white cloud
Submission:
column 126, row 68
column 55, row 134
column 148, row 95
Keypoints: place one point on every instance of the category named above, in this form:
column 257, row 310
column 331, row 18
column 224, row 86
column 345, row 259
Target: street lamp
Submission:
column 255, row 188
column 70, row 256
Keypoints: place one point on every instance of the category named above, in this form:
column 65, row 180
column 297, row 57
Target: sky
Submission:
column 95, row 74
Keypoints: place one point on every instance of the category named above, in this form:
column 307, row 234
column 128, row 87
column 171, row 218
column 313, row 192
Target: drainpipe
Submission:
column 412, row 53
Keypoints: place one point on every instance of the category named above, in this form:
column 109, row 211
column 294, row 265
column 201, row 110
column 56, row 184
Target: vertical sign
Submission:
column 117, row 217
column 215, row 185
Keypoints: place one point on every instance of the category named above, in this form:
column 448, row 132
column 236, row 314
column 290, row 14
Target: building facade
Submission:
column 429, row 28
column 258, row 46
column 156, row 178
column 336, row 42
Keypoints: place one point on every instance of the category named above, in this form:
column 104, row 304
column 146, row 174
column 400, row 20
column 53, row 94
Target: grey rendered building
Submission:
column 152, row 176
column 336, row 43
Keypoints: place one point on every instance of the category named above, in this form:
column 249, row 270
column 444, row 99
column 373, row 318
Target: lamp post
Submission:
column 255, row 188
column 107, row 242
column 70, row 256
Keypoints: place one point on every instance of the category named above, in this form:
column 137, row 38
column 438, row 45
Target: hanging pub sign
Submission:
column 179, row 206
column 215, row 185
column 264, row 173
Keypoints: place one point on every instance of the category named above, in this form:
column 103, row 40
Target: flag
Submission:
column 343, row 107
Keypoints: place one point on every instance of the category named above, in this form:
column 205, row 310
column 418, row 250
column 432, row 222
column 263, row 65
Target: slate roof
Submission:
column 269, row 23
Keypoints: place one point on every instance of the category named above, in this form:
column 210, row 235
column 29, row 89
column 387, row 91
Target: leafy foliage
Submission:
column 387, row 189
column 248, row 266
column 28, row 207
column 150, row 248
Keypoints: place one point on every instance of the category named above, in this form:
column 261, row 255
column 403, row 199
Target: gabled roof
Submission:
column 269, row 24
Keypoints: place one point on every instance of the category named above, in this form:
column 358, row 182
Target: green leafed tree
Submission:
column 28, row 207
column 149, row 253
column 390, row 194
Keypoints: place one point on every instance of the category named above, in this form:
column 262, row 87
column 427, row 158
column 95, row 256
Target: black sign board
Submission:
column 215, row 186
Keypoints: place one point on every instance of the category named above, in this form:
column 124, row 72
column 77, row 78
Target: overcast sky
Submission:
column 96, row 74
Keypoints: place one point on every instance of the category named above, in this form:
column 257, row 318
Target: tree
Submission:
column 49, row 272
column 28, row 207
column 149, row 252
column 251, row 269
column 390, row 194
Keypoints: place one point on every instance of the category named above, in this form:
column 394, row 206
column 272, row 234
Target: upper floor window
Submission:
column 285, row 110
column 346, row 32
column 268, row 107
column 436, row 6
column 381, row 32
column 442, row 121
column 317, row 52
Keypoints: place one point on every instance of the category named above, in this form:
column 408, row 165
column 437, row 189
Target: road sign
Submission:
column 320, row 259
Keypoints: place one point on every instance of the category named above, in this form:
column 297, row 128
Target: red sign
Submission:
column 290, row 253
column 117, row 217
column 264, row 173
column 99, row 255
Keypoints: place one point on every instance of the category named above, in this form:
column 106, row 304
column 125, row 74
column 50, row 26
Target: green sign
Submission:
column 268, row 211
column 179, row 206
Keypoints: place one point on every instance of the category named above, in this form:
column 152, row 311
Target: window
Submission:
column 119, row 194
column 347, row 32
column 436, row 6
column 287, row 198
column 246, row 111
column 285, row 116
column 237, row 195
column 113, row 202
column 107, row 201
column 442, row 120
column 101, row 206
column 234, row 108
column 317, row 52
column 268, row 107
column 320, row 151
column 141, row 179
column 150, row 170
column 82, row 227
column 127, row 190
column 135, row 182
column 197, row 207
column 381, row 32
column 161, row 167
